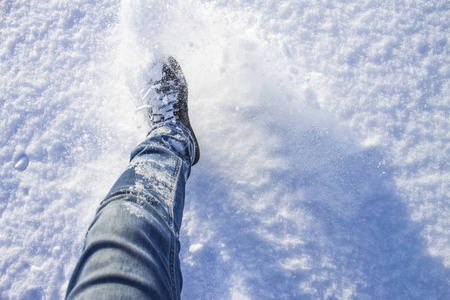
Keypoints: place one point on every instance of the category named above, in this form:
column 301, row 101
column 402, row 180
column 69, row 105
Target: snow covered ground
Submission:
column 324, row 129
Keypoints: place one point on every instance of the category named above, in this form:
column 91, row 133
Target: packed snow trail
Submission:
column 324, row 129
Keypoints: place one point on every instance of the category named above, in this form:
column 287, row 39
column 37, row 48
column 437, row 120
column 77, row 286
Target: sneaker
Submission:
column 167, row 97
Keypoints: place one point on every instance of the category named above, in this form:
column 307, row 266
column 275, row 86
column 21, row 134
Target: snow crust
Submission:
column 323, row 125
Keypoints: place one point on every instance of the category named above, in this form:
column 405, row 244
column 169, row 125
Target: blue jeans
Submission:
column 132, row 246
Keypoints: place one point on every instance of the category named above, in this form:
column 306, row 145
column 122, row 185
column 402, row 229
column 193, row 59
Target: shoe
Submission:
column 167, row 97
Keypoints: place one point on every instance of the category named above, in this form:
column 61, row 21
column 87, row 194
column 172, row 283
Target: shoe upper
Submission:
column 167, row 98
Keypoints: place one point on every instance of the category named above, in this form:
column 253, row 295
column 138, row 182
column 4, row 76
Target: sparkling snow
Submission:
column 323, row 125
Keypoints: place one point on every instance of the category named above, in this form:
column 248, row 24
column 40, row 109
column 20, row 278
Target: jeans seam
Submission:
column 172, row 229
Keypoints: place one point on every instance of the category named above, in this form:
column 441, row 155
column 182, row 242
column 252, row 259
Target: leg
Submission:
column 131, row 248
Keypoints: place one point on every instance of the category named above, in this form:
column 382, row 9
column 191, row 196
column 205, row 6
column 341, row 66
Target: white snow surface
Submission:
column 323, row 126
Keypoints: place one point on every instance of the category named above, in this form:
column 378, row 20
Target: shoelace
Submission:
column 161, row 98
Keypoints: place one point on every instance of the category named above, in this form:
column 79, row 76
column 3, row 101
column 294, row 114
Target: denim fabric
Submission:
column 131, row 248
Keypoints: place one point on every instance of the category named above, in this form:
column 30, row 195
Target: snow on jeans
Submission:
column 131, row 248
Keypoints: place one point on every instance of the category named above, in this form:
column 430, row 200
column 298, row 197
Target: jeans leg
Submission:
column 132, row 246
